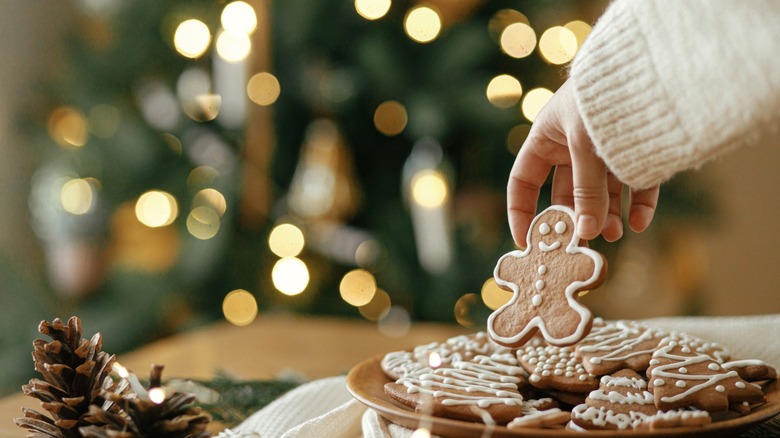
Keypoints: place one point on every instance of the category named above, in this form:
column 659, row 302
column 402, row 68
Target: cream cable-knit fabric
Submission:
column 324, row 408
column 666, row 85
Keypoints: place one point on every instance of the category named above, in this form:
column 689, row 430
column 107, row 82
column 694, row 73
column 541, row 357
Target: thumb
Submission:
column 591, row 198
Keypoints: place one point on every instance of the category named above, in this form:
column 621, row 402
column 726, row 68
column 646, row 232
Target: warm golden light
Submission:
column 358, row 287
column 377, row 308
column 558, row 45
column 390, row 118
column 203, row 222
column 286, row 240
column 534, row 101
column 518, row 40
column 68, row 127
column 239, row 307
column 422, row 24
column 76, row 196
column 156, row 209
column 493, row 296
column 157, row 395
column 202, row 176
column 372, row 9
column 502, row 19
column 210, row 198
column 504, row 91
column 290, row 276
column 192, row 38
column 429, row 189
column 239, row 18
column 580, row 29
column 516, row 138
column 233, row 47
column 464, row 309
column 263, row 88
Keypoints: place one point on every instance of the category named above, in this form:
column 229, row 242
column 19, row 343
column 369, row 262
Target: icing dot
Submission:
column 569, row 374
column 595, row 360
column 654, row 361
column 583, row 377
column 539, row 285
column 685, row 350
column 683, row 370
column 542, row 269
column 534, row 378
column 558, row 372
column 544, row 228
column 536, row 300
column 713, row 366
column 560, row 227
column 720, row 388
column 739, row 384
column 659, row 382
column 680, row 384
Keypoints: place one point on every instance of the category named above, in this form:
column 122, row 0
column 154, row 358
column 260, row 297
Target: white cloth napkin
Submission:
column 324, row 408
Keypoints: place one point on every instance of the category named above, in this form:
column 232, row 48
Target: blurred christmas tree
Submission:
column 306, row 155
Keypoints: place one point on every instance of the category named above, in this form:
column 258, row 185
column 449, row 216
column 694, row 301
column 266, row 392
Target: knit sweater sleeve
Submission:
column 666, row 85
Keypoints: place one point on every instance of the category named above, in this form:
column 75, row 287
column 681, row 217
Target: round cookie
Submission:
column 546, row 279
column 556, row 368
column 612, row 346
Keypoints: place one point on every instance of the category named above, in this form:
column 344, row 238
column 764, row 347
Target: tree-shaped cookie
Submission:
column 614, row 345
column 545, row 280
column 681, row 374
column 623, row 402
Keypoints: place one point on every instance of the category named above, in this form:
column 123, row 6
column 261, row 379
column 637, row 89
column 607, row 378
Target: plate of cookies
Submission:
column 623, row 379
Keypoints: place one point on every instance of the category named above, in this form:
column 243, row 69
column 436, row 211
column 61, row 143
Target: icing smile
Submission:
column 553, row 246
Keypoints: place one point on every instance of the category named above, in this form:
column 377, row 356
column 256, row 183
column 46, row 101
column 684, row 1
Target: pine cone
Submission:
column 174, row 417
column 75, row 374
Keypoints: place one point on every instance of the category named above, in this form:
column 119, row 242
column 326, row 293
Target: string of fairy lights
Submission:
column 429, row 189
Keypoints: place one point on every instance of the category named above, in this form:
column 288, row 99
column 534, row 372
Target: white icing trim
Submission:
column 570, row 291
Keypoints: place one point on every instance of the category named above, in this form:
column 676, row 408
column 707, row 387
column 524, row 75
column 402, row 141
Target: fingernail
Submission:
column 586, row 227
column 640, row 217
column 613, row 230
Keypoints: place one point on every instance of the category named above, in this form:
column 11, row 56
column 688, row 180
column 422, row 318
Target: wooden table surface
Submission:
column 272, row 345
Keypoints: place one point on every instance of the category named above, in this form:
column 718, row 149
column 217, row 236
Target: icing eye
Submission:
column 560, row 227
column 544, row 228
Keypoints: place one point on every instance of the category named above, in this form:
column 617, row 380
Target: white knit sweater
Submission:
column 666, row 85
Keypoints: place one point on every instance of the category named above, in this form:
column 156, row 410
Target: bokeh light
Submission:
column 558, row 45
column 422, row 24
column 68, row 127
column 464, row 309
column 286, row 240
column 516, row 137
column 493, row 296
column 372, row 9
column 390, row 118
column 290, row 276
column 239, row 18
column 518, row 40
column 397, row 322
column 580, row 29
column 239, row 307
column 210, row 198
column 263, row 88
column 103, row 121
column 192, row 38
column 156, row 208
column 358, row 287
column 233, row 47
column 157, row 395
column 534, row 101
column 201, row 176
column 429, row 189
column 503, row 91
column 76, row 196
column 203, row 222
column 378, row 307
column 503, row 18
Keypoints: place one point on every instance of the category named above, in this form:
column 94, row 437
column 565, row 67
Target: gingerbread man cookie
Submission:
column 545, row 280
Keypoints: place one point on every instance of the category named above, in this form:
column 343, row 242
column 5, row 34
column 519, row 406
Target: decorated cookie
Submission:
column 465, row 389
column 612, row 346
column 540, row 419
column 399, row 363
column 623, row 402
column 752, row 370
column 545, row 280
column 556, row 368
column 682, row 373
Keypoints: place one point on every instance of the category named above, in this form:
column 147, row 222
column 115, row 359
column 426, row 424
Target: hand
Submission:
column 558, row 138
